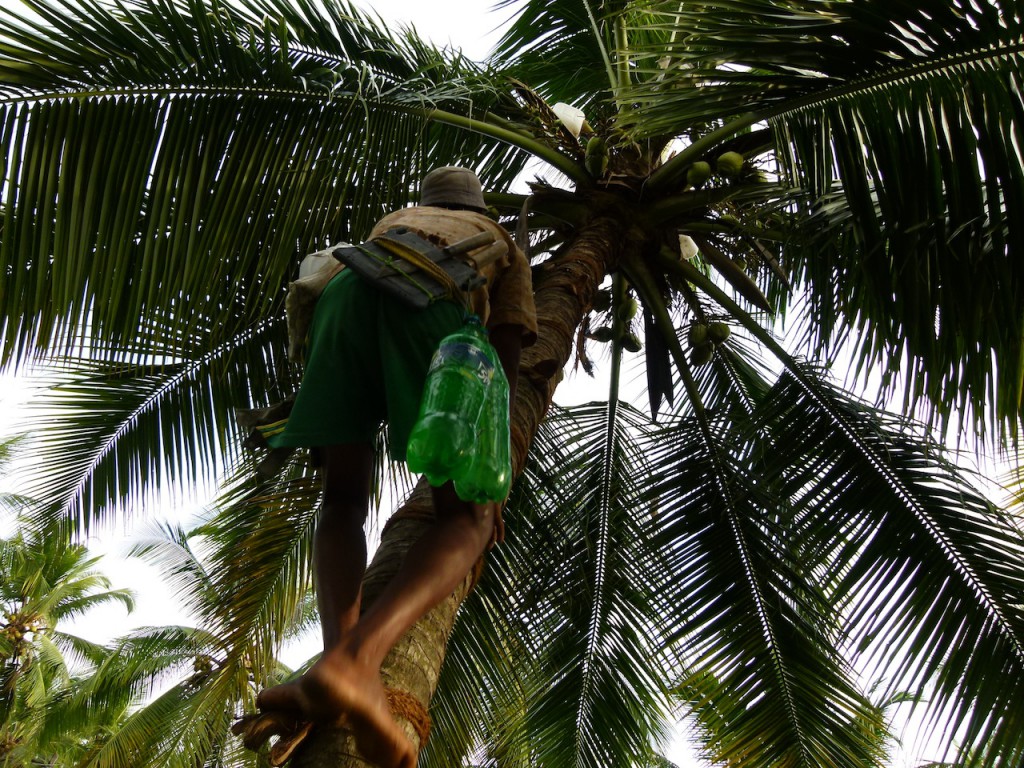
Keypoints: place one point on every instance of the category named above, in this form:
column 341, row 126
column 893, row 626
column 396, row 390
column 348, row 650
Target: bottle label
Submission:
column 471, row 359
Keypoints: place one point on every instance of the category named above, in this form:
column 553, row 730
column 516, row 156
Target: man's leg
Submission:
column 433, row 567
column 339, row 546
column 339, row 554
column 346, row 680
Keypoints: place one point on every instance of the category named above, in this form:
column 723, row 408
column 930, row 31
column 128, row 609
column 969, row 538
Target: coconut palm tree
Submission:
column 852, row 164
column 45, row 583
column 179, row 687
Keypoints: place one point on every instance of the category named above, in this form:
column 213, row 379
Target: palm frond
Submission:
column 575, row 586
column 113, row 433
column 79, row 650
column 747, row 612
column 899, row 120
column 570, row 57
column 925, row 203
column 185, row 229
column 183, row 217
column 707, row 65
column 168, row 549
column 186, row 721
column 260, row 561
column 927, row 572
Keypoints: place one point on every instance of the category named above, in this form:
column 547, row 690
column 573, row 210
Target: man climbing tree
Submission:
column 369, row 354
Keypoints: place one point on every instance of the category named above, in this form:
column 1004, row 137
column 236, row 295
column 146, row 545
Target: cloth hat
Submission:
column 451, row 185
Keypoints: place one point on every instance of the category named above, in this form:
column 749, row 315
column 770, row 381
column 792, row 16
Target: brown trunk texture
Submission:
column 564, row 289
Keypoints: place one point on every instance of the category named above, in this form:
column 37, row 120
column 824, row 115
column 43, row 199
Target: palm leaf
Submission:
column 184, row 211
column 548, row 607
column 886, row 504
column 261, row 557
column 752, row 617
column 590, row 604
column 114, row 432
column 570, row 58
column 899, row 121
column 185, row 230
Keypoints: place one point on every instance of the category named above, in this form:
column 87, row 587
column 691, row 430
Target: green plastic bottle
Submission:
column 444, row 438
column 488, row 475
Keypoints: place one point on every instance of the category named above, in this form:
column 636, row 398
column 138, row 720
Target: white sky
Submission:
column 471, row 26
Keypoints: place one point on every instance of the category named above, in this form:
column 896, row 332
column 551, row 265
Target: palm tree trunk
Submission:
column 564, row 289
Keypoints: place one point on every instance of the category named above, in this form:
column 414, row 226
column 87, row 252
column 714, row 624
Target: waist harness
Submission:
column 415, row 270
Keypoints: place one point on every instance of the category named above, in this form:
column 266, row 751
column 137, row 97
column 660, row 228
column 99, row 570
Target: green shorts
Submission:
column 366, row 364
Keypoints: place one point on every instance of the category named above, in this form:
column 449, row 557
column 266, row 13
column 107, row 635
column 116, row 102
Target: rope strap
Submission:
column 411, row 255
column 408, row 707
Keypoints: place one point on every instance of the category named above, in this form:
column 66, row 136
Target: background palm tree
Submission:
column 180, row 687
column 46, row 583
column 167, row 160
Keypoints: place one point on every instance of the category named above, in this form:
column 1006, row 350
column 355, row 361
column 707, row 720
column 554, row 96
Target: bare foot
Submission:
column 290, row 730
column 338, row 685
column 287, row 697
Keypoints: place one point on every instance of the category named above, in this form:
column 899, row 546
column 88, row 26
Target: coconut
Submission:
column 698, row 334
column 626, row 311
column 596, row 157
column 702, row 354
column 719, row 332
column 631, row 343
column 698, row 173
column 730, row 163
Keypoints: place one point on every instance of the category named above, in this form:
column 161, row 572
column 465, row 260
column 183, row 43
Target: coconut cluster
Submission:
column 704, row 338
